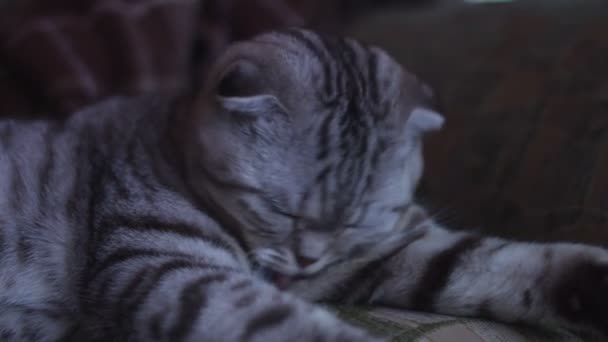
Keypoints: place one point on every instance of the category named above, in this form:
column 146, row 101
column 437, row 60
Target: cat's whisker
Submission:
column 445, row 215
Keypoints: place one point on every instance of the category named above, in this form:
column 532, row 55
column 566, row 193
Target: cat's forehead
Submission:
column 345, row 69
column 319, row 82
column 311, row 52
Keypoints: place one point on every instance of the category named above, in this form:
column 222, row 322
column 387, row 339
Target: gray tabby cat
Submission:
column 222, row 216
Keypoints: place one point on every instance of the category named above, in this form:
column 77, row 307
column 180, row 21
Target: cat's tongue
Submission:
column 281, row 281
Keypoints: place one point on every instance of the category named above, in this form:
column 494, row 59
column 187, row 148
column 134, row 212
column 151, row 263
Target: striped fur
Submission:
column 224, row 214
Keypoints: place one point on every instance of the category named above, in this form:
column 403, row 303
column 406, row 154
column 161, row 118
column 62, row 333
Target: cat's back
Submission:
column 41, row 159
column 47, row 170
column 48, row 175
column 30, row 157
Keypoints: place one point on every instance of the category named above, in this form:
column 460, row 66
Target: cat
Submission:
column 226, row 212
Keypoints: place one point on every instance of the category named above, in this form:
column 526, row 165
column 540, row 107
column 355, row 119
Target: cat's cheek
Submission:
column 581, row 295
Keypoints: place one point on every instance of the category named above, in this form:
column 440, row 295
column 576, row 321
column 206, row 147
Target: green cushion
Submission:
column 408, row 326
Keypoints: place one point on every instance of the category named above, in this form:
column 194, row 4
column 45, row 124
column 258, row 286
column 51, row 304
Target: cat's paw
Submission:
column 581, row 296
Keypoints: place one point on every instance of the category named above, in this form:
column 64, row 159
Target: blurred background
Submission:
column 524, row 86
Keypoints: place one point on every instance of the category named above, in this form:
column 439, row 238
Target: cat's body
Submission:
column 294, row 169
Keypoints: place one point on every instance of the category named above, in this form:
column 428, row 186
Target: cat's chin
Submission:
column 279, row 280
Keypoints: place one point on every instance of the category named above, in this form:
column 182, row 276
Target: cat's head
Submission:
column 312, row 144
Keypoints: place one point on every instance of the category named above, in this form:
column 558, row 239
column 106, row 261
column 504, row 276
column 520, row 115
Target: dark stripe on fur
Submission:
column 324, row 136
column 360, row 286
column 127, row 254
column 362, row 214
column 137, row 292
column 153, row 224
column 497, row 248
column 324, row 194
column 138, row 279
column 47, row 167
column 227, row 185
column 438, row 273
column 95, row 191
column 135, row 153
column 24, row 249
column 145, row 159
column 96, row 299
column 129, row 291
column 75, row 203
column 380, row 148
column 527, row 299
column 320, row 55
column 321, row 176
column 372, row 77
column 192, row 300
column 224, row 217
column 241, row 284
column 330, row 45
column 117, row 183
column 267, row 319
column 245, row 300
column 350, row 60
column 255, row 218
column 17, row 187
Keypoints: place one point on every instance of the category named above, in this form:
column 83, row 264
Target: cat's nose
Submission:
column 304, row 262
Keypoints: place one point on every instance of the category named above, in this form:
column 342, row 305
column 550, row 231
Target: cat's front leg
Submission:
column 459, row 273
column 193, row 291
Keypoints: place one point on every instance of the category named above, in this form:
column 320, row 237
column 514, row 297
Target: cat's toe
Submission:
column 581, row 296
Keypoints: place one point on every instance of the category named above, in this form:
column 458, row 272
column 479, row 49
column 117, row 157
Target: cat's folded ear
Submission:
column 242, row 87
column 423, row 120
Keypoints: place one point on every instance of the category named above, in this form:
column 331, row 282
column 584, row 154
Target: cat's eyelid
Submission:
column 257, row 104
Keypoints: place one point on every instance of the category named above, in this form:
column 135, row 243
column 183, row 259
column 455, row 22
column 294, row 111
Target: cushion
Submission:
column 409, row 326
